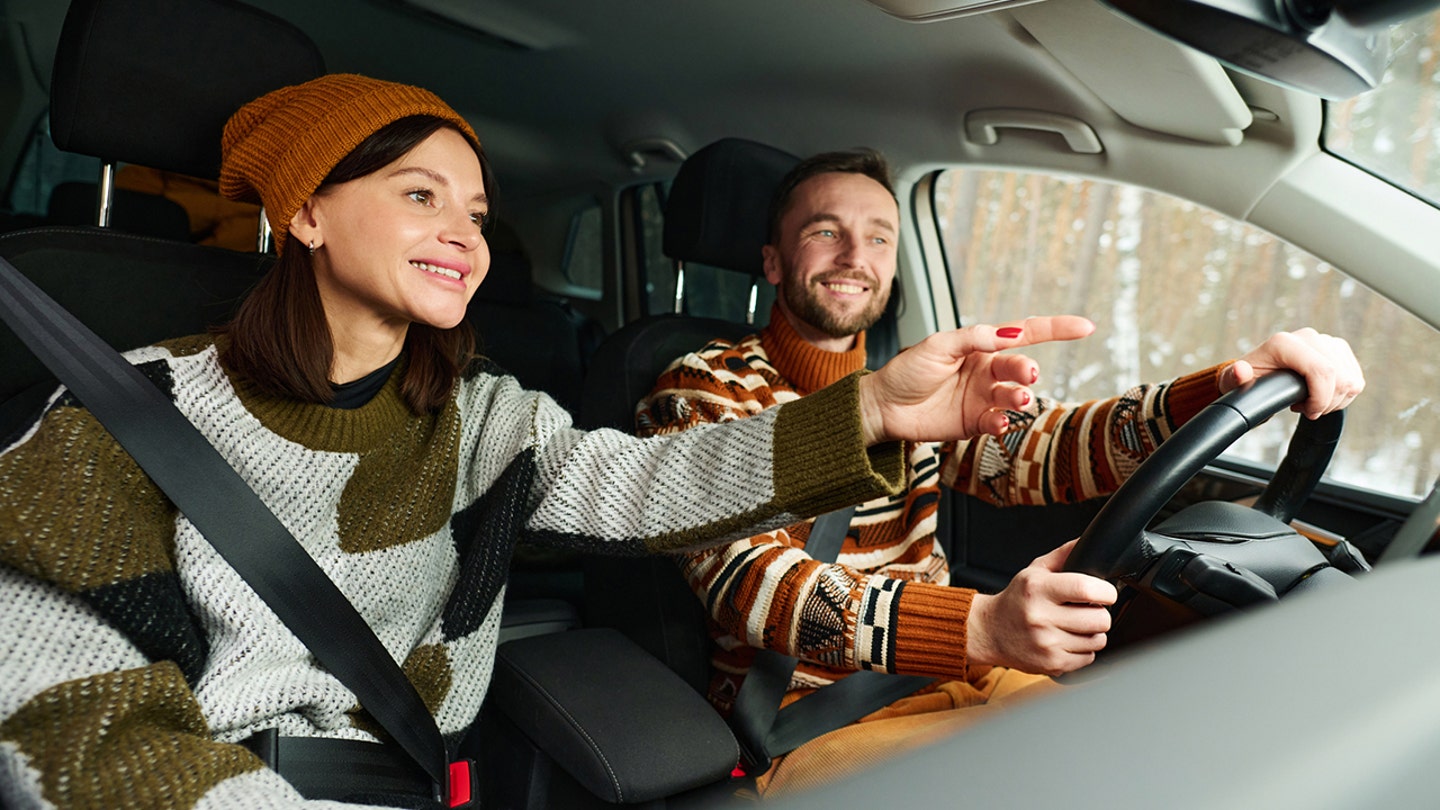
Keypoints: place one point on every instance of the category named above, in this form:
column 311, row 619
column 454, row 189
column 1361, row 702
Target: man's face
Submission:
column 834, row 256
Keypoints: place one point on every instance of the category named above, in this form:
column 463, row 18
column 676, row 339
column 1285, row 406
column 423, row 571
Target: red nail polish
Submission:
column 1026, row 401
column 1034, row 375
column 1009, row 332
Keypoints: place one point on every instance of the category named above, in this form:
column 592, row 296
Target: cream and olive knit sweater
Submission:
column 132, row 656
column 885, row 603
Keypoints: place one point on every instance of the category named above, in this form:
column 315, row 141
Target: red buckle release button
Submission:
column 460, row 783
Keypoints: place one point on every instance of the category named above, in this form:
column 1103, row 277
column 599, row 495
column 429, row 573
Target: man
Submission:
column 885, row 603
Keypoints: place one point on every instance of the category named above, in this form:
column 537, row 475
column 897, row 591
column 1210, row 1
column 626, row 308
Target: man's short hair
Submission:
column 866, row 161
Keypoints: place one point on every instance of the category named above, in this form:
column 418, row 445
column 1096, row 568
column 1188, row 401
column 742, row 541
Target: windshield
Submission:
column 1392, row 130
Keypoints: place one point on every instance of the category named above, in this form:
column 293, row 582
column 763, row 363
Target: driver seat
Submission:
column 716, row 214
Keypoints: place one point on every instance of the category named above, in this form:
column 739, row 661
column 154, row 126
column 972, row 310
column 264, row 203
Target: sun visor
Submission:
column 1180, row 92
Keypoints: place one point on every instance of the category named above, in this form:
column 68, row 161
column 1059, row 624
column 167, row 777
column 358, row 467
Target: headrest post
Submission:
column 754, row 294
column 679, row 287
column 263, row 237
column 107, row 194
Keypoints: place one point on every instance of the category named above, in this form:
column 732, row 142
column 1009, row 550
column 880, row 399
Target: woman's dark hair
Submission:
column 279, row 340
column 868, row 162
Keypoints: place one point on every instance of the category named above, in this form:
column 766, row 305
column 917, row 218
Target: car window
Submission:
column 1391, row 129
column 41, row 168
column 658, row 269
column 710, row 292
column 584, row 261
column 1175, row 287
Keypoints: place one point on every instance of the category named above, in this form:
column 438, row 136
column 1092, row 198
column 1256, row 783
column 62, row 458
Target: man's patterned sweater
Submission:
column 885, row 603
column 132, row 657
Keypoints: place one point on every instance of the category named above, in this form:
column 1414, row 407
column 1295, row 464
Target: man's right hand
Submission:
column 1047, row 620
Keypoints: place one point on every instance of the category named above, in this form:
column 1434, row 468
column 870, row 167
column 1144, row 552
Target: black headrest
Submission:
column 719, row 204
column 154, row 81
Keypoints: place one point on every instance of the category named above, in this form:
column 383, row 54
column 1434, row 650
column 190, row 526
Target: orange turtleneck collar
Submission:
column 806, row 367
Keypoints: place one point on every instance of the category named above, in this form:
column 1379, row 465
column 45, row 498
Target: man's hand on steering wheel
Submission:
column 1052, row 621
column 1332, row 374
column 1046, row 621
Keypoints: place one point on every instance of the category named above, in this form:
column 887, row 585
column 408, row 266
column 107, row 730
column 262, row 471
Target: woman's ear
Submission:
column 305, row 226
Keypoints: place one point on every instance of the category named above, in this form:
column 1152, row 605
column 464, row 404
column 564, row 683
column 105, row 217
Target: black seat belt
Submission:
column 188, row 469
column 763, row 729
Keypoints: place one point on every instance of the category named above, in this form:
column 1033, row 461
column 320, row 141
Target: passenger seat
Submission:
column 134, row 290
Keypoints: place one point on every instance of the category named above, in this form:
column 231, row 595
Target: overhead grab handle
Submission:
column 983, row 127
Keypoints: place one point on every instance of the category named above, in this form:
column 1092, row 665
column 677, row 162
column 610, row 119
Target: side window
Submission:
column 710, row 292
column 658, row 270
column 41, row 168
column 584, row 263
column 1388, row 130
column 1174, row 287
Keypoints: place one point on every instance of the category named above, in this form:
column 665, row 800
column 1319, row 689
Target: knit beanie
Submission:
column 277, row 149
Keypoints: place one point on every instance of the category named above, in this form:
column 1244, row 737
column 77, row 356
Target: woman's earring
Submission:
column 312, row 247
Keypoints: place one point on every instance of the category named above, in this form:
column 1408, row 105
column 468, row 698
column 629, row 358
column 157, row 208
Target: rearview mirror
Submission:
column 1332, row 48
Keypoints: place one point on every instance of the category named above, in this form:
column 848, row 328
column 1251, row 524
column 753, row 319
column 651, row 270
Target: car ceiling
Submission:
column 804, row 75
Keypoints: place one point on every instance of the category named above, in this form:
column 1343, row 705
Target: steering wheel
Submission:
column 1117, row 546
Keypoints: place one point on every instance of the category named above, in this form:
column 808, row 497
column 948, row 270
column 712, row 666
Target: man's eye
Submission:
column 420, row 195
column 879, row 240
column 828, row 233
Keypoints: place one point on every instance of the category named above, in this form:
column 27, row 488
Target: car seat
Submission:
column 717, row 213
column 109, row 101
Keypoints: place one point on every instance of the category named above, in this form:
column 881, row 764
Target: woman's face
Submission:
column 401, row 245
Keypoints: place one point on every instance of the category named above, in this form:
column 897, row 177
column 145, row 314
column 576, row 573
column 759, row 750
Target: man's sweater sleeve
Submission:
column 762, row 589
column 1066, row 453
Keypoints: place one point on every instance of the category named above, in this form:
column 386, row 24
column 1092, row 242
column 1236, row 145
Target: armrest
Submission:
column 617, row 720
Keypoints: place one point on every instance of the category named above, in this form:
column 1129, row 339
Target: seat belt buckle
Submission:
column 464, row 787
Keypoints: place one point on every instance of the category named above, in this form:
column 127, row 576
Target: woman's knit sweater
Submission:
column 885, row 603
column 132, row 656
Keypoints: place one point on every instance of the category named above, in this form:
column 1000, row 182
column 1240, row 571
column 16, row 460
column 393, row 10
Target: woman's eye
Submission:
column 479, row 218
column 420, row 195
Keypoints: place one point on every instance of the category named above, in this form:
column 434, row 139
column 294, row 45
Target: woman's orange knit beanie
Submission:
column 277, row 149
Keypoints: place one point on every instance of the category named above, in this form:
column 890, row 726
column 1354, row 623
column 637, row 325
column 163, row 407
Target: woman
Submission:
column 134, row 659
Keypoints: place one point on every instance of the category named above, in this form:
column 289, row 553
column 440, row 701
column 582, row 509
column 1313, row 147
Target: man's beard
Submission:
column 804, row 302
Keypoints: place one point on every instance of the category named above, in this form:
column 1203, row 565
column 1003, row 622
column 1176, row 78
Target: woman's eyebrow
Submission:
column 438, row 179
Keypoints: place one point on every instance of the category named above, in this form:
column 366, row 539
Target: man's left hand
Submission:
column 1331, row 372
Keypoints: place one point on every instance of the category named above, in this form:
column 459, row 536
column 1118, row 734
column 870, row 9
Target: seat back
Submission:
column 73, row 203
column 716, row 214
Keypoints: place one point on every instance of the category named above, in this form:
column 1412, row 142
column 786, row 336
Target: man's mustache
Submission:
column 847, row 275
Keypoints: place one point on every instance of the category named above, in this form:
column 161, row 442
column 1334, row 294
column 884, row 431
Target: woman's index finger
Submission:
column 1043, row 329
